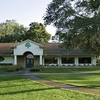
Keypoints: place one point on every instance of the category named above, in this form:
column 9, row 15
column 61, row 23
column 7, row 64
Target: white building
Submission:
column 29, row 54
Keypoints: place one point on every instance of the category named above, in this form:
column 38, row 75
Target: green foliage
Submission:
column 15, row 68
column 37, row 33
column 3, row 70
column 35, row 69
column 94, row 4
column 11, row 31
column 98, row 62
column 77, row 25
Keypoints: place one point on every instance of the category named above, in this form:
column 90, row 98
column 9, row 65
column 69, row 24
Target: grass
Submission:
column 75, row 79
column 62, row 70
column 19, row 88
column 70, row 70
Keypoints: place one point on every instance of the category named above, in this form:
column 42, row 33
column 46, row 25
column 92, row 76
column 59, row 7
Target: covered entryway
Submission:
column 28, row 50
column 29, row 61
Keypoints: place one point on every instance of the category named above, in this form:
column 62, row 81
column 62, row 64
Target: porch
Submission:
column 69, row 61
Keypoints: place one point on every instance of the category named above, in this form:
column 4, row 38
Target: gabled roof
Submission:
column 54, row 49
column 6, row 48
column 50, row 49
column 28, row 41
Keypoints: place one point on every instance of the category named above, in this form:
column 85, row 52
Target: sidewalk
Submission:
column 61, row 85
column 64, row 86
column 32, row 76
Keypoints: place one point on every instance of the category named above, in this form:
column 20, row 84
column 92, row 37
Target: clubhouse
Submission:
column 29, row 53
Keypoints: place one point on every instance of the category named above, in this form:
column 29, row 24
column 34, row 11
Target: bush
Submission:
column 35, row 69
column 98, row 63
column 15, row 68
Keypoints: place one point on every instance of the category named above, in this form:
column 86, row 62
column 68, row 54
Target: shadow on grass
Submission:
column 25, row 91
column 3, row 86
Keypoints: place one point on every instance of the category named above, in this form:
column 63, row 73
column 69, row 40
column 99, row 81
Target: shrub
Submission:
column 35, row 69
column 15, row 68
column 98, row 63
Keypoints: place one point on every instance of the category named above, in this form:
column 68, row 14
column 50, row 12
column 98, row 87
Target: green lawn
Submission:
column 19, row 88
column 62, row 70
column 70, row 70
column 75, row 79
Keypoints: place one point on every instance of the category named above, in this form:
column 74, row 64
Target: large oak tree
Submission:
column 77, row 23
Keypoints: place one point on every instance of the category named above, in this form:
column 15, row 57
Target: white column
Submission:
column 43, row 61
column 76, row 61
column 15, row 59
column 59, row 61
column 40, row 59
column 93, row 60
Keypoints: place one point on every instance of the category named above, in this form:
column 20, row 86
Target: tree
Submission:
column 94, row 4
column 77, row 23
column 37, row 32
column 11, row 31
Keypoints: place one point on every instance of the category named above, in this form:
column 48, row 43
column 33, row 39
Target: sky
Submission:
column 25, row 12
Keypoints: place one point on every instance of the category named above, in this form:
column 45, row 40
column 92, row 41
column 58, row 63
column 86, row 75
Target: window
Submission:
column 30, row 56
column 27, row 61
column 67, row 60
column 1, row 58
column 50, row 60
column 85, row 60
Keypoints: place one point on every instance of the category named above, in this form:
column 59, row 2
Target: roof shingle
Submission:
column 6, row 48
column 50, row 49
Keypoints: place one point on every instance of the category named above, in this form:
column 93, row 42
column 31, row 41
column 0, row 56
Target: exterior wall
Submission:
column 28, row 46
column 34, row 48
column 21, row 61
column 36, row 61
column 7, row 60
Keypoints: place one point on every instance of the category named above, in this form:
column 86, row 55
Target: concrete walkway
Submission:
column 32, row 76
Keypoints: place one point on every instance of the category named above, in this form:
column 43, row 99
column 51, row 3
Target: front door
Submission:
column 29, row 62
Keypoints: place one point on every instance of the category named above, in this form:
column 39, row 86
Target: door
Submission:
column 29, row 62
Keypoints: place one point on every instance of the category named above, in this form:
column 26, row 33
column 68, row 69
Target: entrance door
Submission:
column 29, row 61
